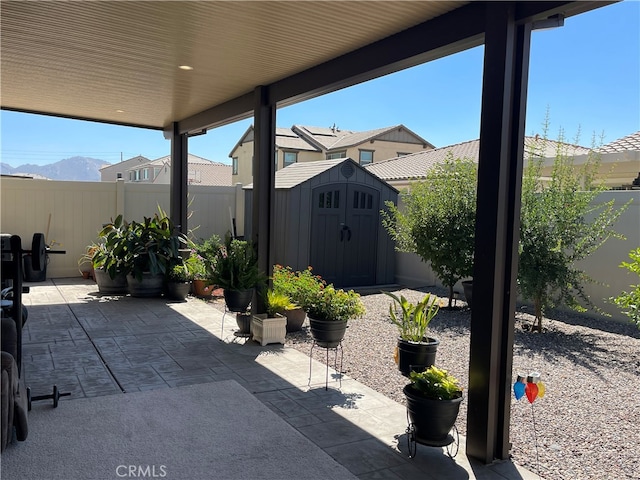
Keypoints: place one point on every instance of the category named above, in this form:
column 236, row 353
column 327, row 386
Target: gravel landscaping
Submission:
column 588, row 423
column 587, row 426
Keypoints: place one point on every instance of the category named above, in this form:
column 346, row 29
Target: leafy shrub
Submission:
column 629, row 302
column 302, row 287
column 336, row 304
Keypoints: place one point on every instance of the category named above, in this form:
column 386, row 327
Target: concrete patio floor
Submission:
column 91, row 345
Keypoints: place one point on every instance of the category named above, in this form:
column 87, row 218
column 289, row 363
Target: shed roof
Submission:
column 298, row 173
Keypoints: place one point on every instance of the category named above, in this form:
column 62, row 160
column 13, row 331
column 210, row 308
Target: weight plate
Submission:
column 38, row 252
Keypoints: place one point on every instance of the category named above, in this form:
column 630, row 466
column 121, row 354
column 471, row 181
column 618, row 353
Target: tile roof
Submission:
column 213, row 174
column 630, row 142
column 138, row 160
column 191, row 160
column 334, row 138
column 297, row 173
column 416, row 165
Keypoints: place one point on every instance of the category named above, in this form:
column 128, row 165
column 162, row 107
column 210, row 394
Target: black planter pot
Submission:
column 295, row 319
column 416, row 355
column 110, row 286
column 431, row 419
column 327, row 333
column 178, row 290
column 238, row 300
column 467, row 286
column 151, row 285
column 244, row 323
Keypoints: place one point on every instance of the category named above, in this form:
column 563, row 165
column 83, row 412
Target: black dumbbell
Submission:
column 55, row 396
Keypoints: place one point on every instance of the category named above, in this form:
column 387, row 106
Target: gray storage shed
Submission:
column 327, row 215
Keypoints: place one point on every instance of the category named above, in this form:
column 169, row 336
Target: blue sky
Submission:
column 587, row 74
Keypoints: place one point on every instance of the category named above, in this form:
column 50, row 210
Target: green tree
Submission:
column 438, row 220
column 629, row 302
column 560, row 225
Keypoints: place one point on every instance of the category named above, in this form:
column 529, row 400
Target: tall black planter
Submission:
column 431, row 419
column 327, row 333
column 238, row 300
column 416, row 355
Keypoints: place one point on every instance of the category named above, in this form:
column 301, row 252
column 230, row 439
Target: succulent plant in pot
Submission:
column 415, row 349
column 235, row 269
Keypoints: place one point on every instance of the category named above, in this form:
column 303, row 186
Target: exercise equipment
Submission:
column 55, row 396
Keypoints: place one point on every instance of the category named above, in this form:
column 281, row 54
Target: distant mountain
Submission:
column 83, row 169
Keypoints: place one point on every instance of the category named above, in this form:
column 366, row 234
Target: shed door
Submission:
column 344, row 226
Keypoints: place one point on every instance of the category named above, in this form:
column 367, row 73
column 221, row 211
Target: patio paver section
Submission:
column 92, row 346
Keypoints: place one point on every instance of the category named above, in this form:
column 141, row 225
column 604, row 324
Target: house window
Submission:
column 156, row 171
column 234, row 166
column 137, row 179
column 401, row 154
column 146, row 174
column 333, row 155
column 131, row 176
column 290, row 158
column 366, row 157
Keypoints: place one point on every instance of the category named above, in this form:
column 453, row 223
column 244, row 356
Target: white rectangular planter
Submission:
column 268, row 329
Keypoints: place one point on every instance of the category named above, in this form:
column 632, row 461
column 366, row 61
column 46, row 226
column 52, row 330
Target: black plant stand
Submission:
column 337, row 349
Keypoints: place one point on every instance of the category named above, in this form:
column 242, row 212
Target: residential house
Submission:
column 110, row 173
column 200, row 172
column 620, row 160
column 300, row 144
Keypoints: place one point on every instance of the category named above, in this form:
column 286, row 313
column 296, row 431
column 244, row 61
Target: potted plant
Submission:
column 329, row 312
column 235, row 270
column 433, row 402
column 271, row 327
column 415, row 349
column 107, row 258
column 205, row 251
column 301, row 287
column 151, row 247
column 179, row 278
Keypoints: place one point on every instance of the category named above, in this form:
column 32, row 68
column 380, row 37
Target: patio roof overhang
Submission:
column 118, row 62
column 56, row 56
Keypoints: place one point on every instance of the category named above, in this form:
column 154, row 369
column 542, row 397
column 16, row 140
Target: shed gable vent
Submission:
column 347, row 170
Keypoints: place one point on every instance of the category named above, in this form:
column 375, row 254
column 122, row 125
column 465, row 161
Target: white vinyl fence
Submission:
column 72, row 213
